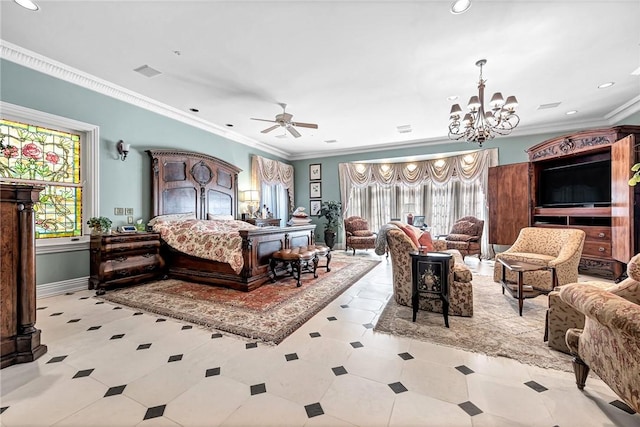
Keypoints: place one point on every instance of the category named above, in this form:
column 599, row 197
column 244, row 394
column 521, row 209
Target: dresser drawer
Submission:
column 131, row 266
column 598, row 249
column 596, row 233
column 112, row 250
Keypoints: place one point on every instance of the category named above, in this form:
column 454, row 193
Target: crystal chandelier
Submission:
column 479, row 125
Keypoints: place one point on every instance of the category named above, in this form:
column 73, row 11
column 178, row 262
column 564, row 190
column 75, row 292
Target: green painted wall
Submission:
column 122, row 184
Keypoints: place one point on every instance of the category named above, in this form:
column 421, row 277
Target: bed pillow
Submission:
column 172, row 217
column 220, row 217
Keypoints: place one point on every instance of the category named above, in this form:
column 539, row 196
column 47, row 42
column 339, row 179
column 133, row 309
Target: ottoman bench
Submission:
column 300, row 259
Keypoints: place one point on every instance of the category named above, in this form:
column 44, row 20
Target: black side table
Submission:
column 430, row 279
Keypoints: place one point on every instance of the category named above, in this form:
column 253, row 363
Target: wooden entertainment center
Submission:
column 573, row 181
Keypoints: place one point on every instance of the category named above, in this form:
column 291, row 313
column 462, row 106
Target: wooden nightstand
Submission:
column 264, row 222
column 124, row 258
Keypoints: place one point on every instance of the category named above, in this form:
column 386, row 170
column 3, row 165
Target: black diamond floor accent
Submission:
column 314, row 334
column 339, row 370
column 84, row 373
column 344, row 306
column 251, row 345
column 117, row 337
column 100, row 302
column 356, row 344
column 84, row 298
column 113, row 391
column 41, row 308
column 212, row 372
column 185, row 327
column 332, row 318
column 73, row 321
column 161, row 320
column 175, row 358
column 117, row 308
column 398, row 387
column 57, row 359
column 55, row 314
column 155, row 412
column 405, row 356
column 368, row 325
column 138, row 313
column 465, row 370
column 258, row 388
column 217, row 335
column 313, row 410
column 291, row 356
column 621, row 405
column 94, row 328
column 537, row 387
column 470, row 408
column 143, row 346
column 4, row 408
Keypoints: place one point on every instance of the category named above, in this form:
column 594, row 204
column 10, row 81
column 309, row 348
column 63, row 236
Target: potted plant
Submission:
column 99, row 225
column 635, row 178
column 332, row 212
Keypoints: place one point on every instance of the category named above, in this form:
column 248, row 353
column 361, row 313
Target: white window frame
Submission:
column 89, row 170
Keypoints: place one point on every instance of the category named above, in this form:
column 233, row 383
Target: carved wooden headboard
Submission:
column 184, row 181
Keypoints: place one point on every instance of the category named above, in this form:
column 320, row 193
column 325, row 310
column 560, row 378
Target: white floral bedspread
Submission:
column 214, row 240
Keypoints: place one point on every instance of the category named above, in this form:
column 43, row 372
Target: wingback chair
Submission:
column 466, row 236
column 609, row 343
column 560, row 248
column 358, row 234
column 460, row 289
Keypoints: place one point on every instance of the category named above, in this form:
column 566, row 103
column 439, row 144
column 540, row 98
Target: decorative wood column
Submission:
column 20, row 340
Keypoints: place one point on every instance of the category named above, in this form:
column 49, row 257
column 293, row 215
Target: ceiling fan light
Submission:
column 460, row 6
column 474, row 103
column 497, row 100
column 511, row 103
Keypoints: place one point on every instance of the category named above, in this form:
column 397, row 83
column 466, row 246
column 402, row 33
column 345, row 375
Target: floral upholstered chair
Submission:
column 609, row 343
column 460, row 290
column 358, row 234
column 560, row 248
column 466, row 236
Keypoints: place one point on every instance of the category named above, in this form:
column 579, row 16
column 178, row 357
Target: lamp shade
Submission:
column 249, row 196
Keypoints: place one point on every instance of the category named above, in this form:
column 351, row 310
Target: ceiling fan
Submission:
column 284, row 120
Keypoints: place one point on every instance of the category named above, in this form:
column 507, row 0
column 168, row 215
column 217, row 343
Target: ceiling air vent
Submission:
column 331, row 141
column 404, row 129
column 547, row 106
column 147, row 71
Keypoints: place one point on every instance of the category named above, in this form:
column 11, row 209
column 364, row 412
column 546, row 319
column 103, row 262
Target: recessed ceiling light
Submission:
column 572, row 112
column 606, row 85
column 194, row 110
column 460, row 6
column 28, row 4
column 452, row 97
column 229, row 125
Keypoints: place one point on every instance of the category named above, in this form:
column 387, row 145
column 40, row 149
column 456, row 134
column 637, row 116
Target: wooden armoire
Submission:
column 534, row 193
column 19, row 339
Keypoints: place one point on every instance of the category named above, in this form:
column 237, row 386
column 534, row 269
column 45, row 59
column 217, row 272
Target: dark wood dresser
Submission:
column 123, row 259
column 264, row 222
column 19, row 339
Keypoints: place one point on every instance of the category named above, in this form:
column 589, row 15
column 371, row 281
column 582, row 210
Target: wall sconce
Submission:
column 123, row 149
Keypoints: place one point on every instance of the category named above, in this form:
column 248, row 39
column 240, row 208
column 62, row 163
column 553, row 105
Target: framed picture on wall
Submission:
column 315, row 172
column 316, row 205
column 315, row 190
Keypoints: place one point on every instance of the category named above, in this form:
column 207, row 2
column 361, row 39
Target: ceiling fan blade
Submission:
column 270, row 129
column 305, row 125
column 264, row 120
column 293, row 131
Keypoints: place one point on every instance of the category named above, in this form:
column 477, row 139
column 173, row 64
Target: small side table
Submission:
column 519, row 290
column 430, row 278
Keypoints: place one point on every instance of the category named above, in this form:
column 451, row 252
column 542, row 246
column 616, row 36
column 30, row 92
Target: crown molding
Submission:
column 40, row 63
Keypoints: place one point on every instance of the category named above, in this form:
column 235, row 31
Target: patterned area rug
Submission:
column 495, row 329
column 269, row 313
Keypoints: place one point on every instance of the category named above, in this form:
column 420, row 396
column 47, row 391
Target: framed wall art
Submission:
column 316, row 205
column 315, row 190
column 315, row 172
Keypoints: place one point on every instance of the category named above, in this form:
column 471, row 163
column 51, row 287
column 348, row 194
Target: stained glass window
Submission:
column 37, row 155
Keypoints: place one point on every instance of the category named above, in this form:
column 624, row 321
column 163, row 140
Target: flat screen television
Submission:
column 582, row 184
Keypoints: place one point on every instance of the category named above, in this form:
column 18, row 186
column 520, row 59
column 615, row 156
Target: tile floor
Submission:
column 112, row 366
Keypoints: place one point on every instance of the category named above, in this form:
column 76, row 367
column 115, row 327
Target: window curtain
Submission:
column 276, row 198
column 267, row 172
column 443, row 190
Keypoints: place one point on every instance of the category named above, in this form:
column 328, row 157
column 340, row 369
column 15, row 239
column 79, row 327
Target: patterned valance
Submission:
column 272, row 172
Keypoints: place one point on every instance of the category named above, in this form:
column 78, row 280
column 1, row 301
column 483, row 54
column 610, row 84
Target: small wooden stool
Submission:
column 298, row 258
column 325, row 251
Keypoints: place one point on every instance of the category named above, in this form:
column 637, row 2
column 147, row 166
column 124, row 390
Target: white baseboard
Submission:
column 58, row 288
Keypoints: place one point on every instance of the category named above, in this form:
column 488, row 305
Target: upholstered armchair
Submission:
column 460, row 290
column 358, row 234
column 609, row 343
column 466, row 236
column 559, row 248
